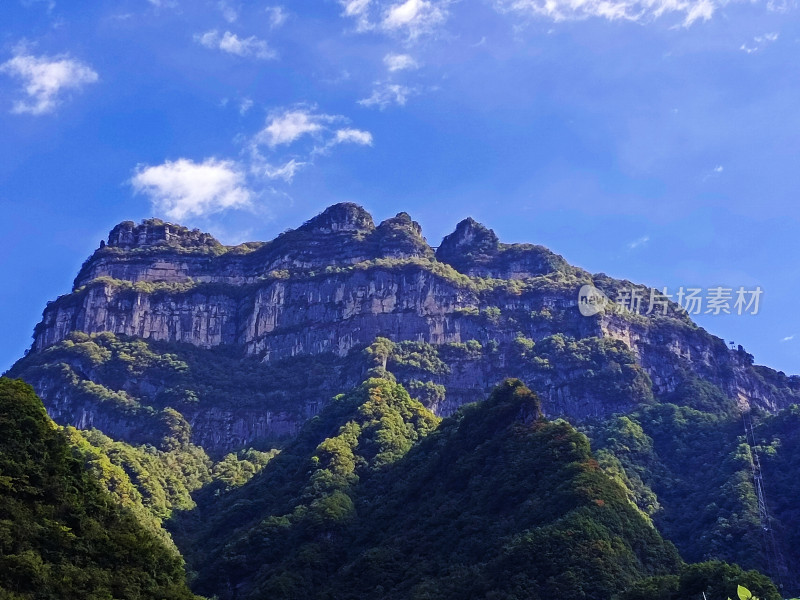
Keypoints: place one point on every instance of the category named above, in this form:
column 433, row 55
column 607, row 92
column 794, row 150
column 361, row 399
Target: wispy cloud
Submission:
column 788, row 338
column 399, row 62
column 386, row 94
column 690, row 11
column 245, row 105
column 284, row 131
column 229, row 12
column 411, row 18
column 285, row 171
column 358, row 10
column 184, row 188
column 352, row 136
column 287, row 126
column 277, row 16
column 45, row 79
column 233, row 44
column 759, row 42
column 414, row 17
column 713, row 173
column 639, row 242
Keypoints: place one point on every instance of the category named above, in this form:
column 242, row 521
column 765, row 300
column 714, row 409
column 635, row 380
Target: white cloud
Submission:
column 233, row 44
column 358, row 10
column 415, row 17
column 45, row 78
column 412, row 18
column 354, row 8
column 387, row 94
column 285, row 171
column 245, row 105
column 277, row 16
column 184, row 188
column 399, row 62
column 631, row 10
column 352, row 136
column 788, row 338
column 287, row 126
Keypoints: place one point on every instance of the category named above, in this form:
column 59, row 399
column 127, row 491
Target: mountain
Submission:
column 496, row 502
column 179, row 367
column 183, row 304
column 61, row 535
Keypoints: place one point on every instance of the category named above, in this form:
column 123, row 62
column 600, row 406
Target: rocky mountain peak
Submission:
column 475, row 250
column 402, row 220
column 342, row 217
column 471, row 239
column 155, row 232
column 470, row 248
column 400, row 237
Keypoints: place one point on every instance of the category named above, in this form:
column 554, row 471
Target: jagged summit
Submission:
column 342, row 217
column 400, row 236
column 471, row 240
column 342, row 235
column 475, row 250
column 155, row 232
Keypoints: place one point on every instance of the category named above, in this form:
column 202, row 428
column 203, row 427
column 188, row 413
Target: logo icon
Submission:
column 591, row 300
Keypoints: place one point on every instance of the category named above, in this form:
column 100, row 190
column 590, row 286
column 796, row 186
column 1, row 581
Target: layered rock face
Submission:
column 337, row 282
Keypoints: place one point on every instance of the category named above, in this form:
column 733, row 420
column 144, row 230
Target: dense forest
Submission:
column 62, row 536
column 375, row 497
column 496, row 502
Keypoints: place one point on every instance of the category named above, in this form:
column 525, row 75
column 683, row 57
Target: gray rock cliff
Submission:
column 333, row 285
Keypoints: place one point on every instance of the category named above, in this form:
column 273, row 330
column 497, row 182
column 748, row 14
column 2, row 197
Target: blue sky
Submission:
column 652, row 140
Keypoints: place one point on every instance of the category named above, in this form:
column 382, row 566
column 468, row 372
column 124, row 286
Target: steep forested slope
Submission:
column 495, row 503
column 692, row 471
column 61, row 535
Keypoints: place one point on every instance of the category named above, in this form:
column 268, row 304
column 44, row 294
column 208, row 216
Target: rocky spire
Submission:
column 471, row 242
column 342, row 217
column 401, row 237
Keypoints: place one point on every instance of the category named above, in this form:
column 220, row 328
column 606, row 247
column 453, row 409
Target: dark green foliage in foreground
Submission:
column 302, row 501
column 153, row 483
column 690, row 471
column 496, row 503
column 719, row 581
column 61, row 535
column 778, row 447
